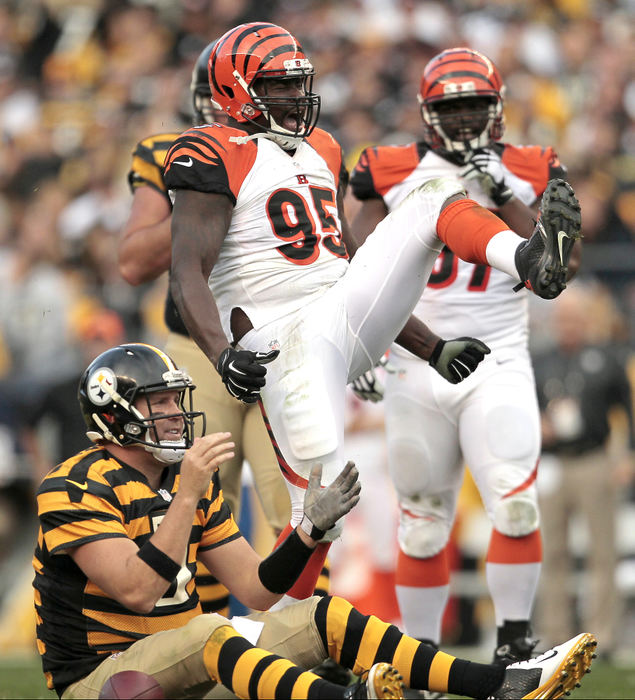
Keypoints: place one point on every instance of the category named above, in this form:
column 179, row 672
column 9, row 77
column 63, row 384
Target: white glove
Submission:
column 486, row 167
column 368, row 386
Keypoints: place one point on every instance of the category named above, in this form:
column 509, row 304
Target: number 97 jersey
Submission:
column 284, row 244
column 461, row 299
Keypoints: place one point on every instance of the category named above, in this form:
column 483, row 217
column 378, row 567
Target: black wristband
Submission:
column 313, row 532
column 436, row 352
column 159, row 561
column 282, row 568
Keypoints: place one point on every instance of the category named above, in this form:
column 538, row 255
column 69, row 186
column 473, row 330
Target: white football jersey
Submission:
column 461, row 299
column 284, row 244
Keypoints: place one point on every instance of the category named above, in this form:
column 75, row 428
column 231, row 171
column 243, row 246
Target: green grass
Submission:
column 22, row 678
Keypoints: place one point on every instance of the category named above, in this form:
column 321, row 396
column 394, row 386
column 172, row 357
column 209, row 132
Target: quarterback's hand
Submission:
column 486, row 167
column 243, row 373
column 324, row 507
column 456, row 359
column 368, row 386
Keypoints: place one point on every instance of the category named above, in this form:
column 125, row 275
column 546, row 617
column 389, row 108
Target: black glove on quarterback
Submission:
column 243, row 373
column 456, row 359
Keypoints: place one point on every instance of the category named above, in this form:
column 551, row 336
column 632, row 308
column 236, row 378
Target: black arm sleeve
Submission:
column 282, row 568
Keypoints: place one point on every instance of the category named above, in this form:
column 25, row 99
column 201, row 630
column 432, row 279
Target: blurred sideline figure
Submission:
column 490, row 420
column 582, row 381
column 144, row 254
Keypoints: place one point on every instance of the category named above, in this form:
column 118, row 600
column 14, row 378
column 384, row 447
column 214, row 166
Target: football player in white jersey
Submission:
column 490, row 420
column 260, row 258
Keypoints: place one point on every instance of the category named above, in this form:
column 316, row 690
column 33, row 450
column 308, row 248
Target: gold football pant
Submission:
column 191, row 660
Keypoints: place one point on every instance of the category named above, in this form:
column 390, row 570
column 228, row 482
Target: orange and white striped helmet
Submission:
column 258, row 51
column 465, row 75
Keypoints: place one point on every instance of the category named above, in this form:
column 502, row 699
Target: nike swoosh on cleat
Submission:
column 83, row 486
column 185, row 163
column 561, row 235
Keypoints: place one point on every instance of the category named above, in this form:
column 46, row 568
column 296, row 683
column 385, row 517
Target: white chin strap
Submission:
column 287, row 143
column 167, row 451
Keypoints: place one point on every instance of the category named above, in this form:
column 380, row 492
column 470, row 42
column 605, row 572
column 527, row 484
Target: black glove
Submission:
column 324, row 507
column 486, row 167
column 456, row 359
column 243, row 373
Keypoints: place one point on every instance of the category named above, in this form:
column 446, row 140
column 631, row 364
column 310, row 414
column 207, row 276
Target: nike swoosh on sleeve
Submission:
column 83, row 486
column 185, row 163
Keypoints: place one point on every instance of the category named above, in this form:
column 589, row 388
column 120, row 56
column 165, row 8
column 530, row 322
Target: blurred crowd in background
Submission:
column 82, row 81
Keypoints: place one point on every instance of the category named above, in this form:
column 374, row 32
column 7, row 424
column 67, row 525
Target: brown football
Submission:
column 127, row 685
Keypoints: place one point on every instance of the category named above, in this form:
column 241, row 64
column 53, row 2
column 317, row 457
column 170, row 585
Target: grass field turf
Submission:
column 22, row 678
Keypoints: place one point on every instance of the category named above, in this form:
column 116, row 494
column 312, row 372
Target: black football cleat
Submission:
column 542, row 261
column 333, row 672
column 519, row 649
column 553, row 674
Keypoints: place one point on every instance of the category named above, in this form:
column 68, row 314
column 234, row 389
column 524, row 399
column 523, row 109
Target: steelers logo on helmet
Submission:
column 242, row 66
column 101, row 386
column 461, row 101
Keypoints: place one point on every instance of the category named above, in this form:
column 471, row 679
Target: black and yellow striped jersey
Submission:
column 147, row 162
column 94, row 496
column 146, row 170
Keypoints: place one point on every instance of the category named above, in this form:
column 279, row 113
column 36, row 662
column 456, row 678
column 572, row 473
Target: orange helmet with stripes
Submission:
column 257, row 51
column 461, row 98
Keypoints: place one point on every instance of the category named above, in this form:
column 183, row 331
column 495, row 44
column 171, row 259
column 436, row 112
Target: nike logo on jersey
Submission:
column 561, row 236
column 83, row 486
column 185, row 163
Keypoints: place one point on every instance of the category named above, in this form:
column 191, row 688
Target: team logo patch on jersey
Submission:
column 101, row 386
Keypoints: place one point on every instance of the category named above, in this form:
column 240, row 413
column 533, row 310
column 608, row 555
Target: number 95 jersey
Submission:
column 284, row 244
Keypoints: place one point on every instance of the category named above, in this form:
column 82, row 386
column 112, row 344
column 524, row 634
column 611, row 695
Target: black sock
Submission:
column 474, row 680
column 512, row 630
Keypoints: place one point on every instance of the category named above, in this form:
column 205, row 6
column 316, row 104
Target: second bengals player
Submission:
column 491, row 420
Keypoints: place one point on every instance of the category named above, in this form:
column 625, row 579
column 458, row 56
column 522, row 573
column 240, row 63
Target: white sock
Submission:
column 513, row 589
column 422, row 610
column 501, row 250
